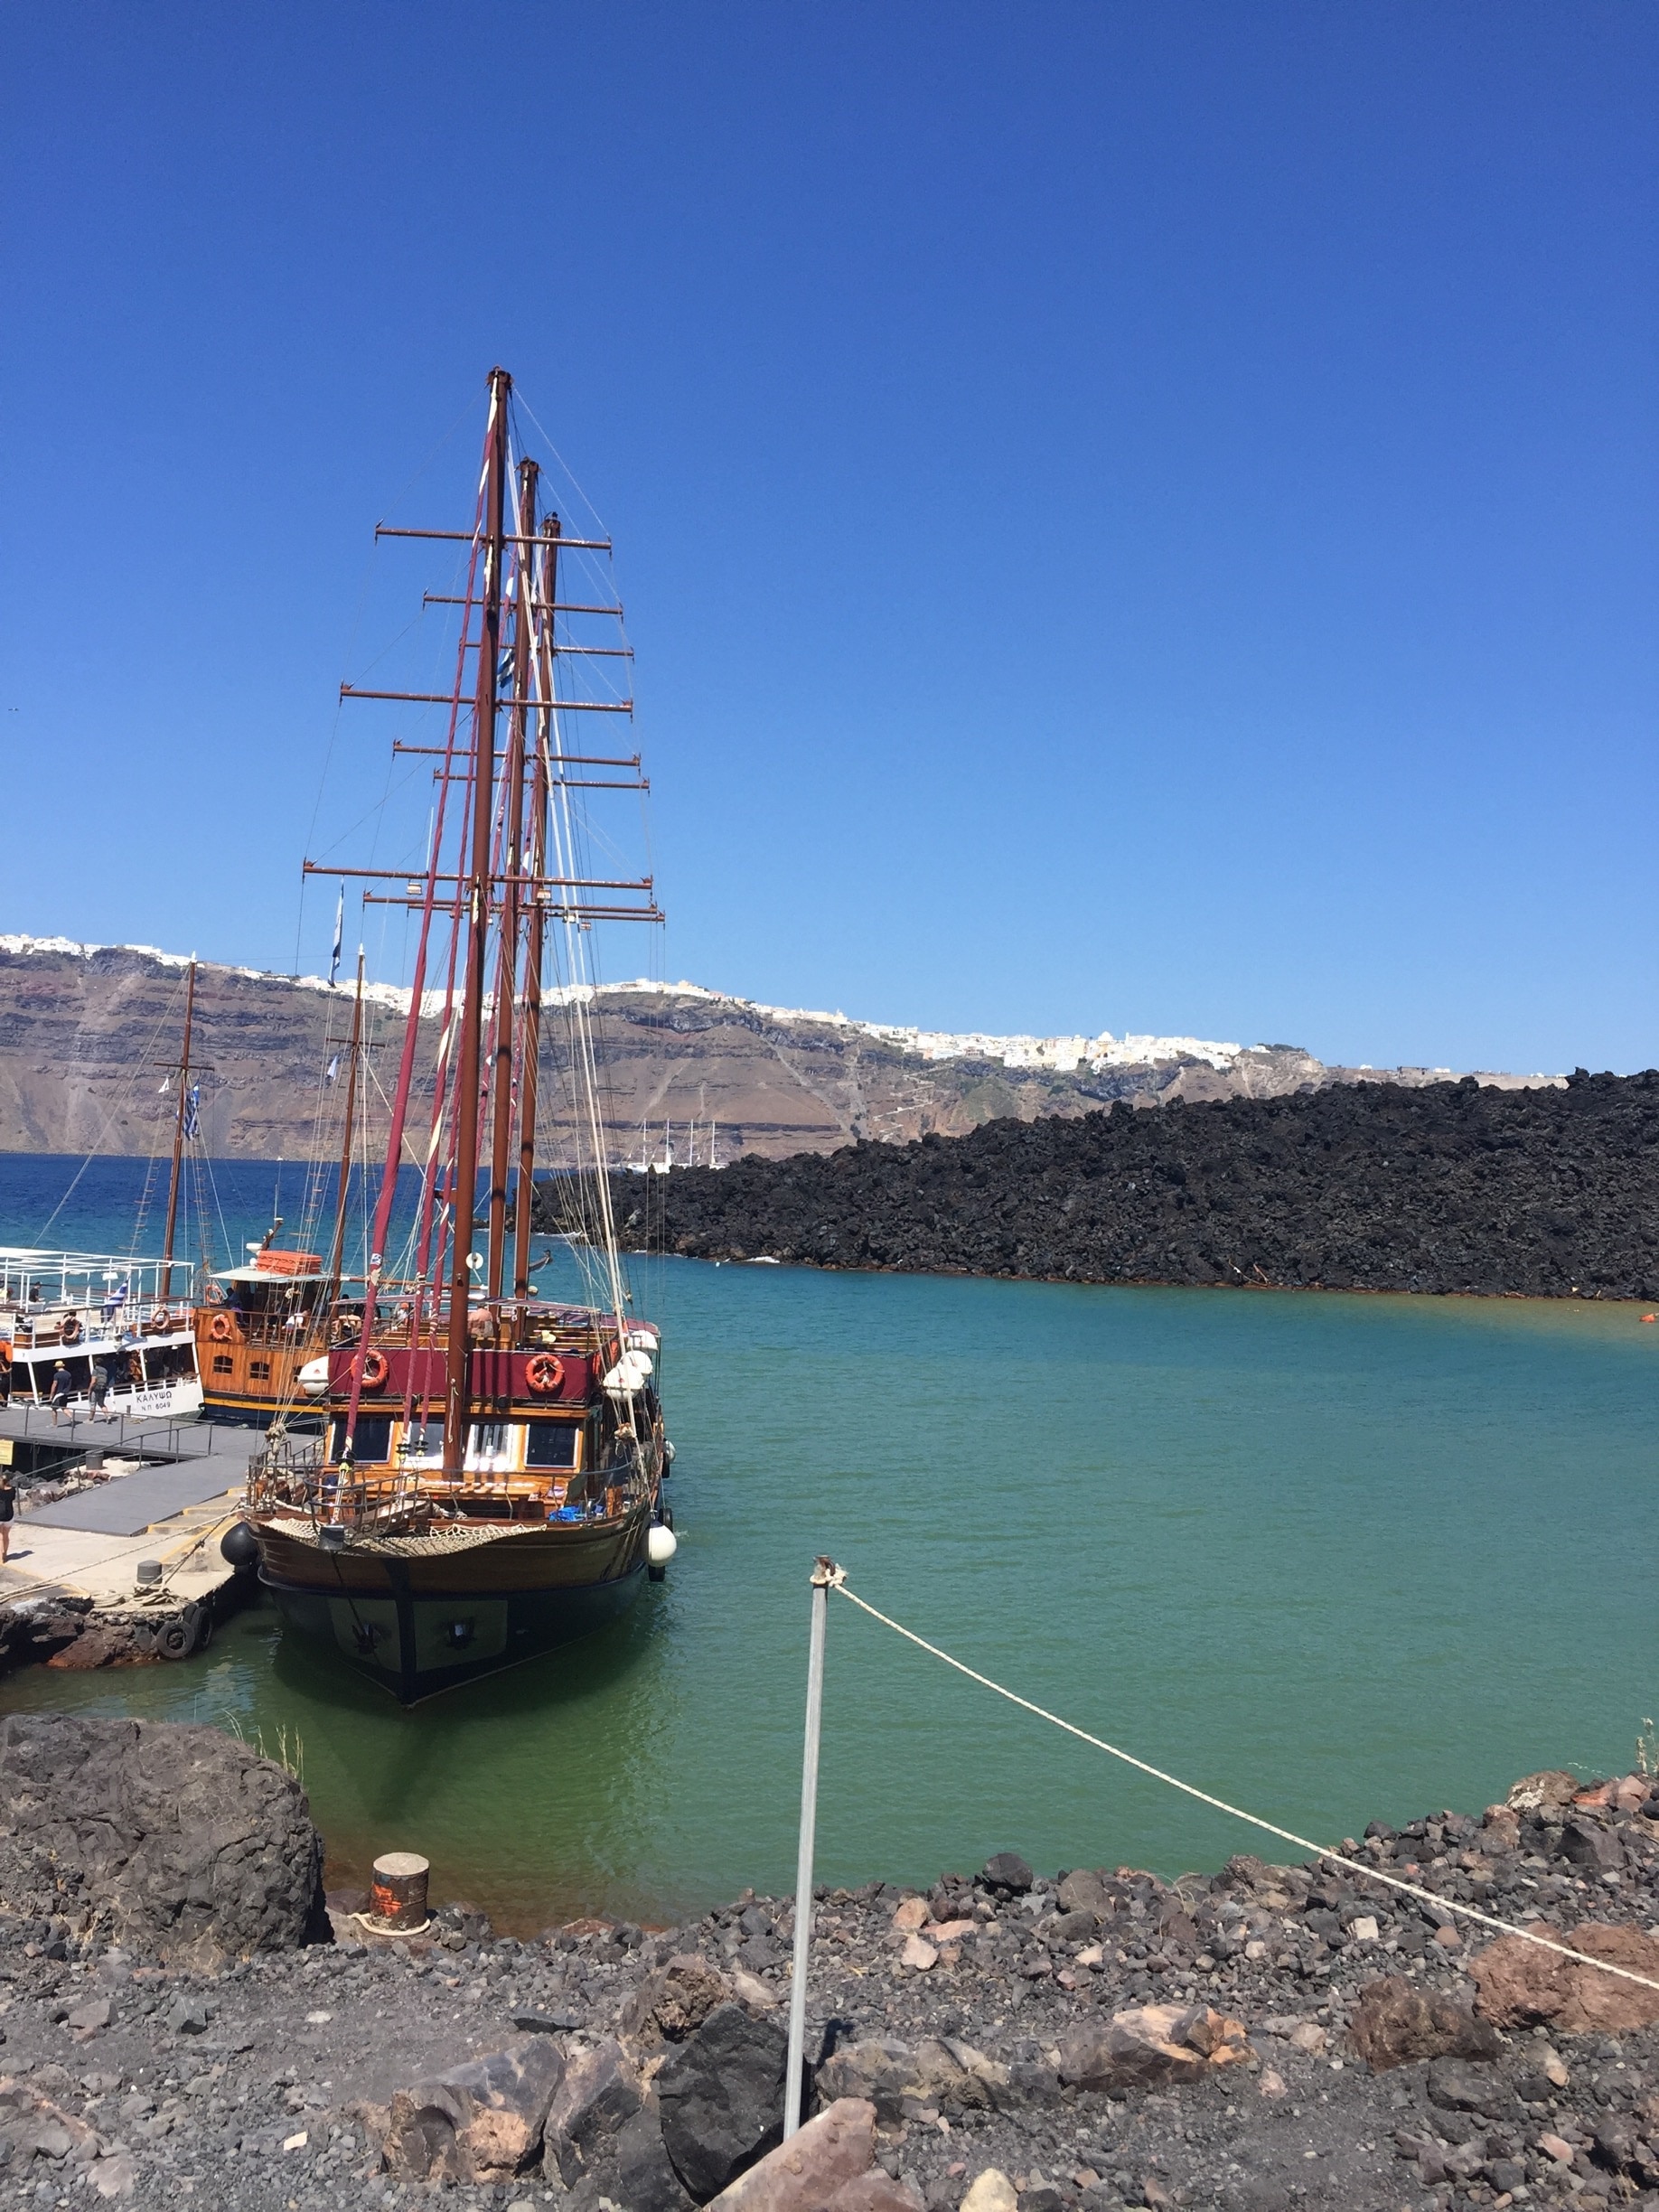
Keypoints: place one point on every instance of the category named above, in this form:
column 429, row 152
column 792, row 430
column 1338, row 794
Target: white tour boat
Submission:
column 101, row 1315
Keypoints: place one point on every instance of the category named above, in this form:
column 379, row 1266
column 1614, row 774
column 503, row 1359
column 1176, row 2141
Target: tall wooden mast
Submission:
column 464, row 1197
column 338, row 1254
column 514, row 871
column 178, row 1137
column 534, row 951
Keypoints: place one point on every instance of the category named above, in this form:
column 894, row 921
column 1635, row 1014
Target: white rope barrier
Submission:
column 1219, row 1804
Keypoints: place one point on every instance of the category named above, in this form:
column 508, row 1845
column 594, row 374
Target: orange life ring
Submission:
column 375, row 1368
column 160, row 1321
column 69, row 1330
column 545, row 1373
column 221, row 1328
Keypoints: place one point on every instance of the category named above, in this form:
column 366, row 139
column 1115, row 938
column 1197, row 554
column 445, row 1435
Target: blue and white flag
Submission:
column 333, row 958
column 333, row 1070
column 193, row 1119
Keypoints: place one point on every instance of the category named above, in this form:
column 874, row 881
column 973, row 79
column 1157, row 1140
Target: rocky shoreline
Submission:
column 1446, row 1189
column 186, row 2013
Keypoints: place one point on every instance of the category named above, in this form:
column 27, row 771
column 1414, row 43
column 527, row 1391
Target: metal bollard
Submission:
column 398, row 1900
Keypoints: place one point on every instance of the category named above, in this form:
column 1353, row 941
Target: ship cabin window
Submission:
column 222, row 1362
column 488, row 1448
column 372, row 1444
column 551, row 1444
column 260, row 1371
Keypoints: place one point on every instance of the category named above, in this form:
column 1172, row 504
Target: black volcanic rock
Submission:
column 1448, row 1187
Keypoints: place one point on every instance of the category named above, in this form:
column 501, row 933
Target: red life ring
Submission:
column 160, row 1321
column 69, row 1330
column 375, row 1369
column 221, row 1328
column 545, row 1373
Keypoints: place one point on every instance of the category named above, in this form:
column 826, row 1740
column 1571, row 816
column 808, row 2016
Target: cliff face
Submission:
column 88, row 1034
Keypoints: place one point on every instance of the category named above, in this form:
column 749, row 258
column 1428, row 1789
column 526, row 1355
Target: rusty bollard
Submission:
column 397, row 1901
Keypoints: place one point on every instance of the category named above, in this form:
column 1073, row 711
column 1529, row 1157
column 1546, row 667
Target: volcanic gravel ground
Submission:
column 256, row 2089
column 1452, row 1187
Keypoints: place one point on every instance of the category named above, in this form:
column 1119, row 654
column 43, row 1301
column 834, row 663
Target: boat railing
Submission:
column 91, row 1328
column 271, row 1332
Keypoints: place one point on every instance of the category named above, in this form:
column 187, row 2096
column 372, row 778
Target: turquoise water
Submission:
column 1330, row 1557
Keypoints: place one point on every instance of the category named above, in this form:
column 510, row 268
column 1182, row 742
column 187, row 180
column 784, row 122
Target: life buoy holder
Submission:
column 69, row 1330
column 375, row 1368
column 221, row 1328
column 545, row 1373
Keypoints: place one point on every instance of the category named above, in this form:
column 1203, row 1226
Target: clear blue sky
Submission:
column 1138, row 517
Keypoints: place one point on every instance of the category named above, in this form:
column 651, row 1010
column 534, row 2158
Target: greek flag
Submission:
column 193, row 1119
column 333, row 958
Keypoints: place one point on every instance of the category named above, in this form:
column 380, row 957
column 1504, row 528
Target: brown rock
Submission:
column 1164, row 2043
column 909, row 1914
column 1521, row 1985
column 1500, row 1829
column 1396, row 2024
column 673, row 2002
column 950, row 1931
column 1551, row 1787
column 806, row 2173
column 1085, row 1891
column 749, row 1990
column 877, row 2192
column 95, row 1647
column 482, row 2122
column 890, row 2075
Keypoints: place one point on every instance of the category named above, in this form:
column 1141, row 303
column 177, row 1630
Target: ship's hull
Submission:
column 422, row 1622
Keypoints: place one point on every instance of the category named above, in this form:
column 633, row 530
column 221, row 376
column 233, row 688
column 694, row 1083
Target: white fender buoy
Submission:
column 661, row 1544
column 628, row 1377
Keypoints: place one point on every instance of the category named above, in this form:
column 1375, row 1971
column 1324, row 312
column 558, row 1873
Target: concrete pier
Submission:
column 171, row 1506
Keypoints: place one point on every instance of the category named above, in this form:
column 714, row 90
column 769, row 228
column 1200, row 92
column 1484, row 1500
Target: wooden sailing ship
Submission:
column 261, row 1327
column 489, row 1481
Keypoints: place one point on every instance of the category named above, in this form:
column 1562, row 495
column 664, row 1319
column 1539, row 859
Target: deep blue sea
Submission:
column 1330, row 1557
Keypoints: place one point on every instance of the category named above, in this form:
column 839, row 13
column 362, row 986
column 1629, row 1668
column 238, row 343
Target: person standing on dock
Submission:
column 61, row 1388
column 8, row 1508
column 99, row 1392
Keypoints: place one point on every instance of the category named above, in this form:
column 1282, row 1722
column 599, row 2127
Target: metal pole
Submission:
column 825, row 1575
column 178, row 1138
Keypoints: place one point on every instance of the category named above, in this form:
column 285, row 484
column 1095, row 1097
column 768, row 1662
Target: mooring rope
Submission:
column 1219, row 1804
